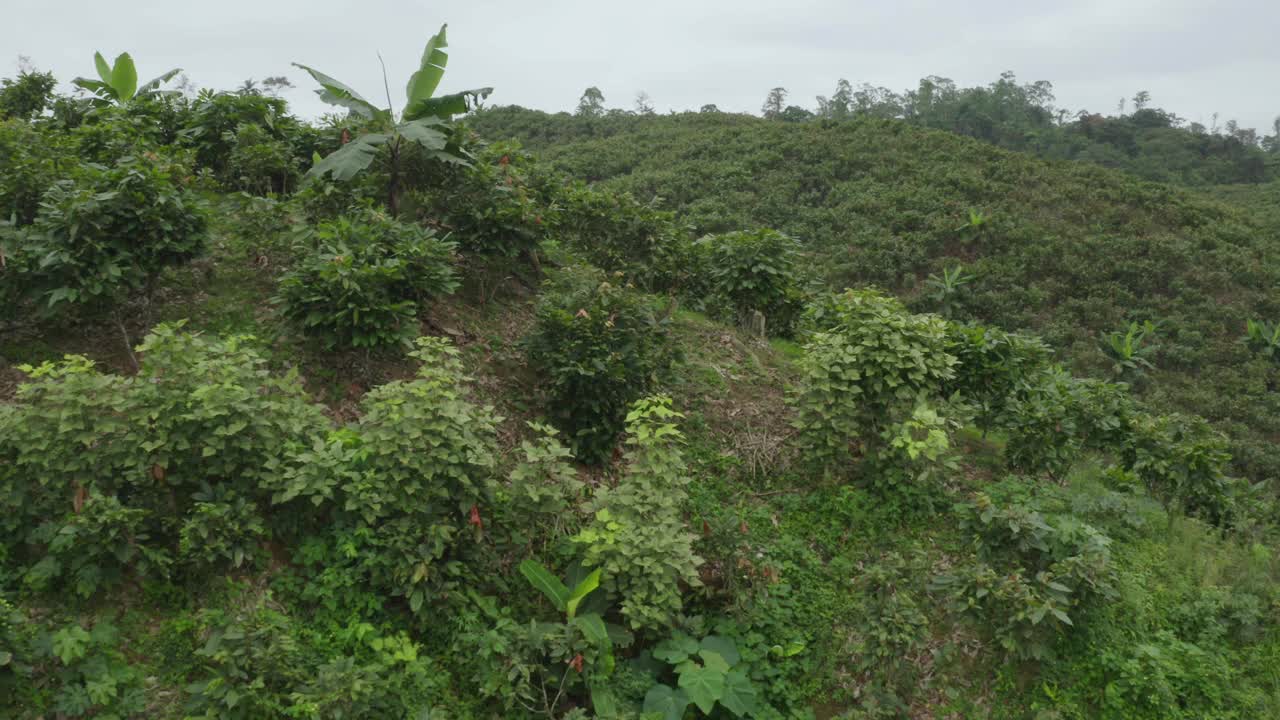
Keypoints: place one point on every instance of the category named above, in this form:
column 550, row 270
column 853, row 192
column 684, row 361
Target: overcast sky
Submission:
column 1195, row 57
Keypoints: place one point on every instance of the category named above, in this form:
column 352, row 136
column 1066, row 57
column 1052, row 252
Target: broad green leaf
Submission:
column 676, row 650
column 666, row 701
column 739, row 695
column 581, row 590
column 424, row 133
column 549, row 584
column 714, row 661
column 423, row 83
column 723, row 647
column 704, row 685
column 154, row 84
column 70, row 643
column 594, row 628
column 446, row 106
column 336, row 93
column 124, row 77
column 104, row 70
column 352, row 159
column 93, row 86
column 603, row 702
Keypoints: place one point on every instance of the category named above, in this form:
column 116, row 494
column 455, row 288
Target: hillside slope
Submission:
column 1069, row 250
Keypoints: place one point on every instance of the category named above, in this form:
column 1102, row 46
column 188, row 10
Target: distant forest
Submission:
column 1148, row 141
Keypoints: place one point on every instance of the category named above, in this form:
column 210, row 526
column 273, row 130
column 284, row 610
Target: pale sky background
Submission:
column 1195, row 57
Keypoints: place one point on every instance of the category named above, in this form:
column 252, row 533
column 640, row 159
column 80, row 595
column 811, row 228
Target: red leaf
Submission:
column 576, row 662
column 475, row 517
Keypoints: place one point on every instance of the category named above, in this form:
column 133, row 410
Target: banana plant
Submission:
column 423, row 122
column 119, row 81
column 1263, row 338
column 589, row 625
column 1128, row 351
column 946, row 289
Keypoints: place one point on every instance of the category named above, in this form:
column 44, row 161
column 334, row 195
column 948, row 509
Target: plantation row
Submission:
column 1125, row 279
column 943, row 510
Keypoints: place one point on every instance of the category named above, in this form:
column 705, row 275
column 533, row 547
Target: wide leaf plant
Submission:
column 424, row 122
column 118, row 82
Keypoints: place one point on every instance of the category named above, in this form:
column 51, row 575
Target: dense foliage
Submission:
column 670, row 463
column 1070, row 251
column 599, row 347
column 1149, row 142
column 362, row 279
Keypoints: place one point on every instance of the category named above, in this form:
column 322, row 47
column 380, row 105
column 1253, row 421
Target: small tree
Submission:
column 424, row 122
column 839, row 105
column 644, row 103
column 591, row 104
column 869, row 366
column 775, row 103
column 365, row 281
column 1128, row 351
column 754, row 271
column 600, row 347
column 946, row 290
column 109, row 231
column 1263, row 338
column 26, row 96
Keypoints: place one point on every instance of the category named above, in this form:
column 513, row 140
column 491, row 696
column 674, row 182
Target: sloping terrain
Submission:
column 1069, row 250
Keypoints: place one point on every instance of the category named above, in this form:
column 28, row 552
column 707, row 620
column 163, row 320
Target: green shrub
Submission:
column 18, row 658
column 543, row 489
column 487, row 206
column 261, row 164
column 616, row 232
column 27, row 95
column 520, row 664
column 637, row 536
column 1183, row 461
column 102, row 475
column 893, row 628
column 65, row 668
column 1043, row 435
column 755, row 272
column 111, row 231
column 365, row 280
column 223, row 530
column 93, row 547
column 599, row 347
column 110, row 135
column 404, row 485
column 1034, row 576
column 213, row 127
column 992, row 368
column 867, row 365
column 911, row 459
column 30, row 162
column 707, row 674
column 257, row 661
